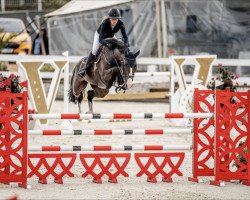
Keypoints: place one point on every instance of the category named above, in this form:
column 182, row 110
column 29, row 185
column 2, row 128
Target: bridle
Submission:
column 119, row 88
column 122, row 87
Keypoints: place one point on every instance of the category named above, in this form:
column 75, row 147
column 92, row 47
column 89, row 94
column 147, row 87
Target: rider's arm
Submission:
column 124, row 34
column 102, row 35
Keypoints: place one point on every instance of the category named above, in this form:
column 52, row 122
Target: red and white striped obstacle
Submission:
column 167, row 157
column 97, row 178
column 111, row 148
column 112, row 132
column 122, row 116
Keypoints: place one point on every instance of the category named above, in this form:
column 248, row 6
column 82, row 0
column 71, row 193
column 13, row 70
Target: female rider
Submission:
column 107, row 29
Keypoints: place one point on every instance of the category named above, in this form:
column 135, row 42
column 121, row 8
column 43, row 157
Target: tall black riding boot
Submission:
column 89, row 63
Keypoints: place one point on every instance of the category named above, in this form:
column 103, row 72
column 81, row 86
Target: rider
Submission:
column 107, row 29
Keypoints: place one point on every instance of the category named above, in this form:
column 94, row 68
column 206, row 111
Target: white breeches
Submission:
column 96, row 43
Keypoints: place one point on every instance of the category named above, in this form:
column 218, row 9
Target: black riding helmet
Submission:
column 114, row 13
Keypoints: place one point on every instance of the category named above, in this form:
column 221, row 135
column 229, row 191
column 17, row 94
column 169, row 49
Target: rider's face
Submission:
column 113, row 21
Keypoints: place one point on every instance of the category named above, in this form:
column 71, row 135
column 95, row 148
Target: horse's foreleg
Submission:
column 79, row 107
column 91, row 95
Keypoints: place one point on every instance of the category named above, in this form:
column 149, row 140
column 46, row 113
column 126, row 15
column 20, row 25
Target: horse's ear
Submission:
column 126, row 52
column 136, row 53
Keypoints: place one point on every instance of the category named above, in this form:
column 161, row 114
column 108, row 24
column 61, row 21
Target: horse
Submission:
column 113, row 66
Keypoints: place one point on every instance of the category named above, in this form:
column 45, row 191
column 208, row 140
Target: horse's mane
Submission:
column 120, row 45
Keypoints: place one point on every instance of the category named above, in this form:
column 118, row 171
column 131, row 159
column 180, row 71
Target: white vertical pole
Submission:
column 67, row 124
column 158, row 27
column 171, row 91
column 66, row 83
column 3, row 5
column 21, row 2
column 164, row 28
column 40, row 5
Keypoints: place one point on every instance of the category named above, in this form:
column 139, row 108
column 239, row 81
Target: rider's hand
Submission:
column 109, row 45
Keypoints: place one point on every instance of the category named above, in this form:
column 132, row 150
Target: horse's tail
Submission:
column 72, row 97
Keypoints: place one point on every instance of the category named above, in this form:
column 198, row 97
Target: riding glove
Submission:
column 109, row 45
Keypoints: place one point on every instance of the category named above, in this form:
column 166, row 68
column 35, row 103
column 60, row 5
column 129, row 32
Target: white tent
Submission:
column 76, row 6
column 186, row 26
column 72, row 27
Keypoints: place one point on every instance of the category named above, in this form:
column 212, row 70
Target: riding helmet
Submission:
column 114, row 13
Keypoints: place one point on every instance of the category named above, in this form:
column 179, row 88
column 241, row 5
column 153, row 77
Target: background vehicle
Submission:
column 14, row 37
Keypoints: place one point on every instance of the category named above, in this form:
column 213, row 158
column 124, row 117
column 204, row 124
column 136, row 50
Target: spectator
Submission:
column 37, row 43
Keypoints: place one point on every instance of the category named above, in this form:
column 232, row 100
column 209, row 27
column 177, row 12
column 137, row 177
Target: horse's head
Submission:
column 127, row 69
column 125, row 60
column 130, row 66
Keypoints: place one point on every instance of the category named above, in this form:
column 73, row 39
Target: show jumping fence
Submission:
column 111, row 132
column 121, row 116
column 219, row 146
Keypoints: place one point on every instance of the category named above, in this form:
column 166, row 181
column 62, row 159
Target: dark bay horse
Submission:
column 114, row 66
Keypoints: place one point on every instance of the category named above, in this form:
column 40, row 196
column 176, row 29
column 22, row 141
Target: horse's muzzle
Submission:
column 129, row 83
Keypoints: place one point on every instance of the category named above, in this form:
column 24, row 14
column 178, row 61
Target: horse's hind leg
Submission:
column 91, row 95
column 97, row 92
column 79, row 108
column 78, row 91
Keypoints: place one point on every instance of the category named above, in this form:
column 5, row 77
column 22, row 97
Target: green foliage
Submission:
column 14, row 87
column 14, row 84
column 226, row 77
column 3, row 66
column 47, row 68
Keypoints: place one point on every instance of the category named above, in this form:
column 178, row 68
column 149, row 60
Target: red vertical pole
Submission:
column 194, row 178
column 12, row 172
column 216, row 124
column 227, row 124
column 7, row 126
column 200, row 165
column 248, row 139
column 25, row 139
column 247, row 182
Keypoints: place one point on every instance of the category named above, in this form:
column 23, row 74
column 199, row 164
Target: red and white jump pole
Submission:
column 121, row 116
column 111, row 148
column 112, row 132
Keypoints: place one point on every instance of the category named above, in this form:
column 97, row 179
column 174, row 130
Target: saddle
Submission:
column 97, row 57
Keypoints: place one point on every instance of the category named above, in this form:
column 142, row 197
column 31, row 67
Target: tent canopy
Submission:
column 76, row 6
column 72, row 27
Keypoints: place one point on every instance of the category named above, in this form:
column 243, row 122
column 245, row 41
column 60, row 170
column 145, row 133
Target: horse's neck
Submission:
column 109, row 58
